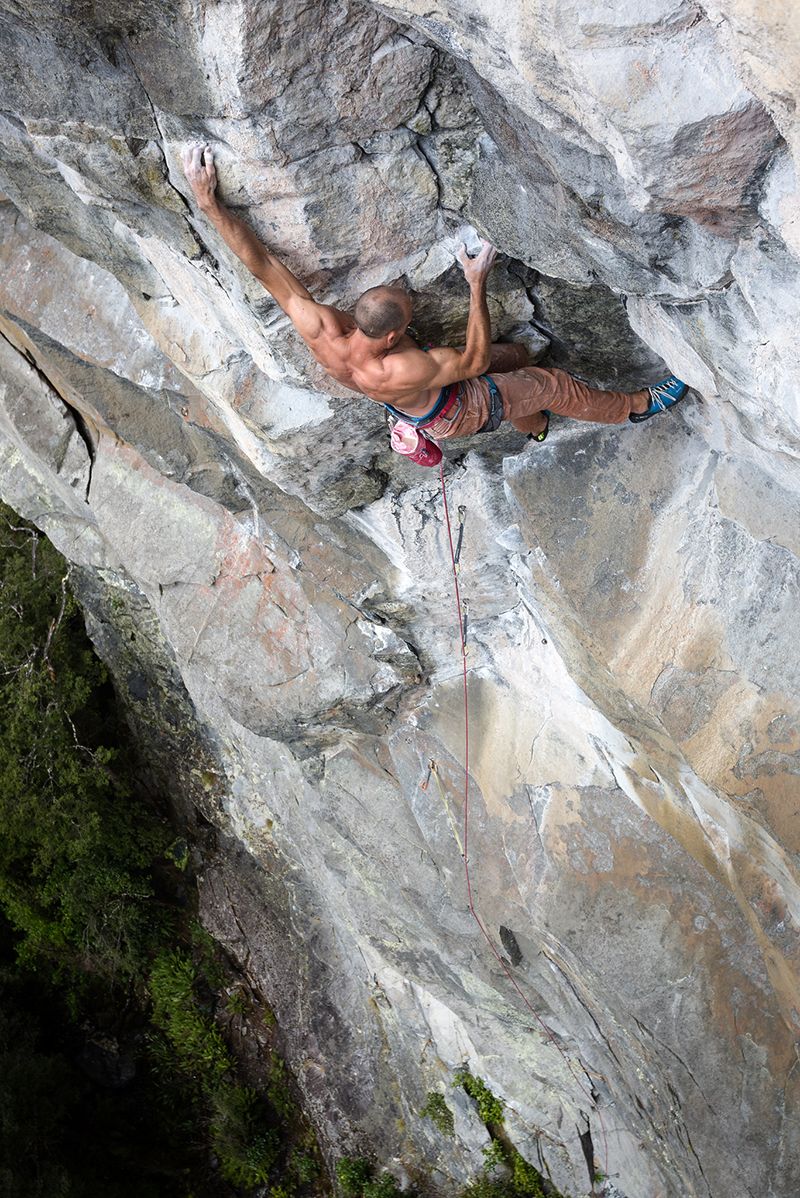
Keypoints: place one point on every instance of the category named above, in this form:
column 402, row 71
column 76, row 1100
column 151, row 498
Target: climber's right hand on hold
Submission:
column 476, row 270
column 198, row 165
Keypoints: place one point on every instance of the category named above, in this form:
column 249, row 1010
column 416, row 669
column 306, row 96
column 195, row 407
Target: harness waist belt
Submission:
column 447, row 397
column 496, row 409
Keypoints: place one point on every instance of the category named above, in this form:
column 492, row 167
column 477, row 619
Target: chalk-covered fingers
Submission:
column 477, row 269
column 208, row 162
column 198, row 164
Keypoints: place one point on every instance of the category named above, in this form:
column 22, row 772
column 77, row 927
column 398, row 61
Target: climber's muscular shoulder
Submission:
column 320, row 325
column 402, row 375
column 333, row 339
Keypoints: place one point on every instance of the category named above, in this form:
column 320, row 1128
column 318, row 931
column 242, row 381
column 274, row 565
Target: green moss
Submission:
column 526, row 1180
column 439, row 1113
column 352, row 1175
column 486, row 1187
column 494, row 1156
column 508, row 1175
column 383, row 1186
column 357, row 1179
column 490, row 1108
column 518, row 1177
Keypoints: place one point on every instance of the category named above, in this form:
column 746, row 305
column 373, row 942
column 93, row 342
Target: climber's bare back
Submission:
column 398, row 377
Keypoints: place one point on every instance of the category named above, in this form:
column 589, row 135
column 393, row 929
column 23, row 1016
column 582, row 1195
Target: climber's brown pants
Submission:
column 526, row 391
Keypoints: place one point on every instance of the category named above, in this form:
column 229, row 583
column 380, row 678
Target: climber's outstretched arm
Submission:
column 296, row 301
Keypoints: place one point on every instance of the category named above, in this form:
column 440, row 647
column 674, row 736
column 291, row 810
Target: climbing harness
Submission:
column 496, row 409
column 424, row 451
column 447, row 398
column 463, row 844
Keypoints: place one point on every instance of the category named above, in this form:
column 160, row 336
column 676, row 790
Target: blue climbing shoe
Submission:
column 663, row 396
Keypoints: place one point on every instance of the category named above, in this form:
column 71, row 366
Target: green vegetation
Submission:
column 115, row 1076
column 357, row 1179
column 439, row 1113
column 490, row 1109
column 247, row 1148
column 196, row 1042
column 236, row 1003
column 507, row 1173
column 494, row 1156
column 304, row 1163
column 240, row 1135
column 76, row 853
column 278, row 1090
column 491, row 1187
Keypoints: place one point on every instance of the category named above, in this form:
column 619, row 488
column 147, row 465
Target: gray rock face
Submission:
column 272, row 587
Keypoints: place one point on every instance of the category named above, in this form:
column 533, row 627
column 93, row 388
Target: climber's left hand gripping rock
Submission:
column 198, row 164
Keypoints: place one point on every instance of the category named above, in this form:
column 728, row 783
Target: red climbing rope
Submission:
column 465, row 854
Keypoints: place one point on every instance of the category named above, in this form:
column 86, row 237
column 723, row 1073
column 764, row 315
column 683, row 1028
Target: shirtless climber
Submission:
column 446, row 392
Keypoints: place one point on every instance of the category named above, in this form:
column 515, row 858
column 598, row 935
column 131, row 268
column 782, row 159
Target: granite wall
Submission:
column 271, row 586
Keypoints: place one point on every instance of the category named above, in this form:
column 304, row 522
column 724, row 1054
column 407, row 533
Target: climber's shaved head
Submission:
column 383, row 310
